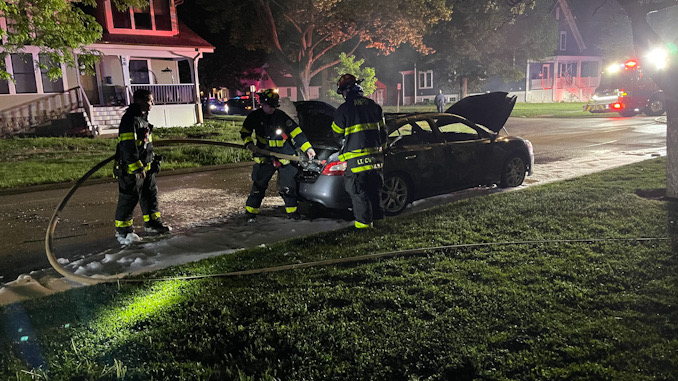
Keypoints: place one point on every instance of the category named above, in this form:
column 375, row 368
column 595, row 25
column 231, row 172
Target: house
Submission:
column 146, row 48
column 380, row 94
column 419, row 86
column 572, row 73
column 269, row 77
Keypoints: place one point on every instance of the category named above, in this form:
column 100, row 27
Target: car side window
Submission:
column 417, row 132
column 456, row 131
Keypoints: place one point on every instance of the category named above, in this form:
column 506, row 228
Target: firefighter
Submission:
column 360, row 121
column 136, row 168
column 274, row 131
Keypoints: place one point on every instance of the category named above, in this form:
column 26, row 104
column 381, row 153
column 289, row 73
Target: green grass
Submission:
column 545, row 311
column 34, row 161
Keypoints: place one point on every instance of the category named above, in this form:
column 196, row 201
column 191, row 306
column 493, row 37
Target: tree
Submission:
column 490, row 38
column 348, row 64
column 59, row 28
column 645, row 39
column 303, row 34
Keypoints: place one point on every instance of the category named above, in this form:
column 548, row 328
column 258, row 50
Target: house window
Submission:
column 590, row 69
column 24, row 73
column 4, row 87
column 563, row 40
column 557, row 13
column 157, row 15
column 138, row 72
column 49, row 86
column 426, row 79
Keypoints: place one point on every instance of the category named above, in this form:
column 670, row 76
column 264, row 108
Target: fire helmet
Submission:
column 270, row 97
column 346, row 81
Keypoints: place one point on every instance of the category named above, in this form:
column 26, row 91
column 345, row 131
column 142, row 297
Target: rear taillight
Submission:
column 617, row 106
column 335, row 168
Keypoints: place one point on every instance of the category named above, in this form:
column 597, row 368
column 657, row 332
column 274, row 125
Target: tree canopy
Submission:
column 306, row 36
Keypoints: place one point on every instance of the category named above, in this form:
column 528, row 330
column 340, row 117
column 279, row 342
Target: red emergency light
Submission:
column 617, row 106
column 631, row 64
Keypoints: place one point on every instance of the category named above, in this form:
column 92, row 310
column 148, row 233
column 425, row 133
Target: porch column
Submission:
column 196, row 87
column 556, row 75
column 124, row 62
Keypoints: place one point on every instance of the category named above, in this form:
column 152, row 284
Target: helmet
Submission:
column 346, row 81
column 270, row 97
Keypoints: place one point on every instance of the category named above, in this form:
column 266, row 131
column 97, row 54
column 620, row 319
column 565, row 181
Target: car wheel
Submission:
column 395, row 194
column 514, row 172
column 655, row 107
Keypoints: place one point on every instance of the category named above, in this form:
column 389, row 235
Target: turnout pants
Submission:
column 133, row 191
column 364, row 188
column 287, row 186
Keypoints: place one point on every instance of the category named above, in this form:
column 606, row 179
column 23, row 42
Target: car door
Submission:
column 415, row 150
column 467, row 149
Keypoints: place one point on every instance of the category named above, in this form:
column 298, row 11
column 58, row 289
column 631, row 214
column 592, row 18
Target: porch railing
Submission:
column 37, row 111
column 169, row 94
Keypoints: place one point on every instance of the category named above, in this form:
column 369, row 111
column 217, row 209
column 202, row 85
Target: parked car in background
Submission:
column 240, row 105
column 217, row 107
column 427, row 154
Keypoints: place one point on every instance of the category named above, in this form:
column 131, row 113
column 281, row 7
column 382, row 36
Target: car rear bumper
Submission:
column 327, row 191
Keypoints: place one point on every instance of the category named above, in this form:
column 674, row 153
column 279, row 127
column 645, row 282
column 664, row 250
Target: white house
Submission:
column 141, row 48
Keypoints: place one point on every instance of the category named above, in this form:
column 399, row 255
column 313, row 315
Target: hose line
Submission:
column 49, row 235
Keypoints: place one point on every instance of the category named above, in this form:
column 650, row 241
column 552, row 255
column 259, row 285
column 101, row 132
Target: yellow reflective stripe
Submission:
column 252, row 210
column 305, row 146
column 123, row 224
column 359, row 153
column 140, row 142
column 147, row 167
column 150, row 137
column 260, row 160
column 152, row 216
column 291, row 209
column 337, row 129
column 284, row 161
column 134, row 166
column 295, row 132
column 366, row 168
column 362, row 127
column 276, row 143
column 360, row 225
column 248, row 139
column 126, row 136
column 262, row 139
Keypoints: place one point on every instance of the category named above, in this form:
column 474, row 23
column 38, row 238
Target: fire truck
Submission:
column 624, row 89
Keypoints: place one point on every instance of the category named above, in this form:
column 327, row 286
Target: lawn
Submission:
column 584, row 299
column 36, row 161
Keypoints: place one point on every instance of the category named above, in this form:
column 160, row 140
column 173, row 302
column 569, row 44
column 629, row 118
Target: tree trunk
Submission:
column 671, row 146
column 463, row 88
column 304, row 83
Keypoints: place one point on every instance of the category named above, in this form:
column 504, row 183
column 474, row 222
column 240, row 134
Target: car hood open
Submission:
column 490, row 110
column 315, row 119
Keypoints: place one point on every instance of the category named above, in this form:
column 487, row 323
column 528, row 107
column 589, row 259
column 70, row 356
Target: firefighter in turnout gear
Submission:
column 360, row 121
column 274, row 131
column 136, row 166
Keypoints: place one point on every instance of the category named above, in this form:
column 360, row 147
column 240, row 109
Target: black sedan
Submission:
column 427, row 154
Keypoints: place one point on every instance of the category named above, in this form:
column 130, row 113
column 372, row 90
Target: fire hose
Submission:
column 310, row 164
column 49, row 245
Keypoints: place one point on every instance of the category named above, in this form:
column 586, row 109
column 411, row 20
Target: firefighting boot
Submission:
column 126, row 236
column 250, row 217
column 156, row 227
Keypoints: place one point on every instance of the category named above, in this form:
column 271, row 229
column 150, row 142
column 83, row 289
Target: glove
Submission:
column 155, row 164
column 311, row 153
column 250, row 146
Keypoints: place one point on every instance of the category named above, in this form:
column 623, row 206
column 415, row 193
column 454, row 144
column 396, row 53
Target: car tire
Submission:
column 655, row 107
column 395, row 194
column 514, row 172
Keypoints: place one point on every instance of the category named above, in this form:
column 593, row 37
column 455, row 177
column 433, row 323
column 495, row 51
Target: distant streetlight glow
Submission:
column 658, row 57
